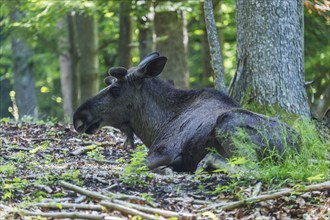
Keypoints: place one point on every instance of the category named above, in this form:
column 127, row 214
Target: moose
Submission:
column 178, row 126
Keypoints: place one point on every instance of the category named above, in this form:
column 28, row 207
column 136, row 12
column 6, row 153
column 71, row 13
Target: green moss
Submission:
column 249, row 102
column 272, row 111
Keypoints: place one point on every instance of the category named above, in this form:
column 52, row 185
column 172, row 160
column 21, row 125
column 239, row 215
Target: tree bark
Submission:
column 147, row 31
column 215, row 51
column 88, row 60
column 125, row 35
column 206, row 57
column 66, row 71
column 24, row 85
column 75, row 59
column 270, row 56
column 5, row 102
column 172, row 41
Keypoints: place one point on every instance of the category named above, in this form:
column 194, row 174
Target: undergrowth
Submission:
column 136, row 172
column 309, row 165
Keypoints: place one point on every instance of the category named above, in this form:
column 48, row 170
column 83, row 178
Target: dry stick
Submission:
column 232, row 205
column 142, row 208
column 96, row 194
column 83, row 191
column 72, row 215
column 55, row 205
column 127, row 210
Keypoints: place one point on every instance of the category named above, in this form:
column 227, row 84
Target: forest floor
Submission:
column 50, row 171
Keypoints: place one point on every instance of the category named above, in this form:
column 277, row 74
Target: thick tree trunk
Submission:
column 125, row 35
column 215, row 51
column 88, row 60
column 24, row 85
column 270, row 55
column 172, row 41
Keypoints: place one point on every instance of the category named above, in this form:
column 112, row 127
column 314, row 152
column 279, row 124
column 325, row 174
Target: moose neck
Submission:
column 160, row 103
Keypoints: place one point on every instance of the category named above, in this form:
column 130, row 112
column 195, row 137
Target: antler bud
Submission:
column 118, row 72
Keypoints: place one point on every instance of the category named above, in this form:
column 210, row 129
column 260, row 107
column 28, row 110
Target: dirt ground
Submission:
column 35, row 158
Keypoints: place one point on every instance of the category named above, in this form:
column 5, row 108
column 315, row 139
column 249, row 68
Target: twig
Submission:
column 106, row 161
column 98, row 195
column 232, row 205
column 194, row 201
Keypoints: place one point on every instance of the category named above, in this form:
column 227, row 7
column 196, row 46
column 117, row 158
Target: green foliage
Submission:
column 39, row 26
column 8, row 169
column 72, row 176
column 310, row 164
column 136, row 173
column 95, row 153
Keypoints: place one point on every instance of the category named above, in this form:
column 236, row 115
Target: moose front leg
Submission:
column 128, row 131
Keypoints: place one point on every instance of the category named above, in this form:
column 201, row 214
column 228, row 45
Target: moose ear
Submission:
column 147, row 58
column 154, row 67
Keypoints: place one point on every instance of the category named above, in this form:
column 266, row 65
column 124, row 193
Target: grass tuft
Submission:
column 310, row 164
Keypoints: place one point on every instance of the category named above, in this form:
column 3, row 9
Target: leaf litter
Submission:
column 36, row 158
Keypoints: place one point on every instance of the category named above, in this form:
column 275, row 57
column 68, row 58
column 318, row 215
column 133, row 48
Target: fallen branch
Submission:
column 160, row 212
column 127, row 210
column 232, row 205
column 72, row 215
column 55, row 205
column 97, row 195
column 126, row 207
column 84, row 191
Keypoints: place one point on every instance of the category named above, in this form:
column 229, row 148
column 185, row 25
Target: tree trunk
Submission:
column 172, row 41
column 24, row 85
column 215, row 51
column 270, row 55
column 5, row 102
column 206, row 57
column 146, row 31
column 75, row 59
column 66, row 71
column 88, row 60
column 125, row 35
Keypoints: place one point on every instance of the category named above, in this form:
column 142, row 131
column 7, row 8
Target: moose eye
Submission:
column 114, row 90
